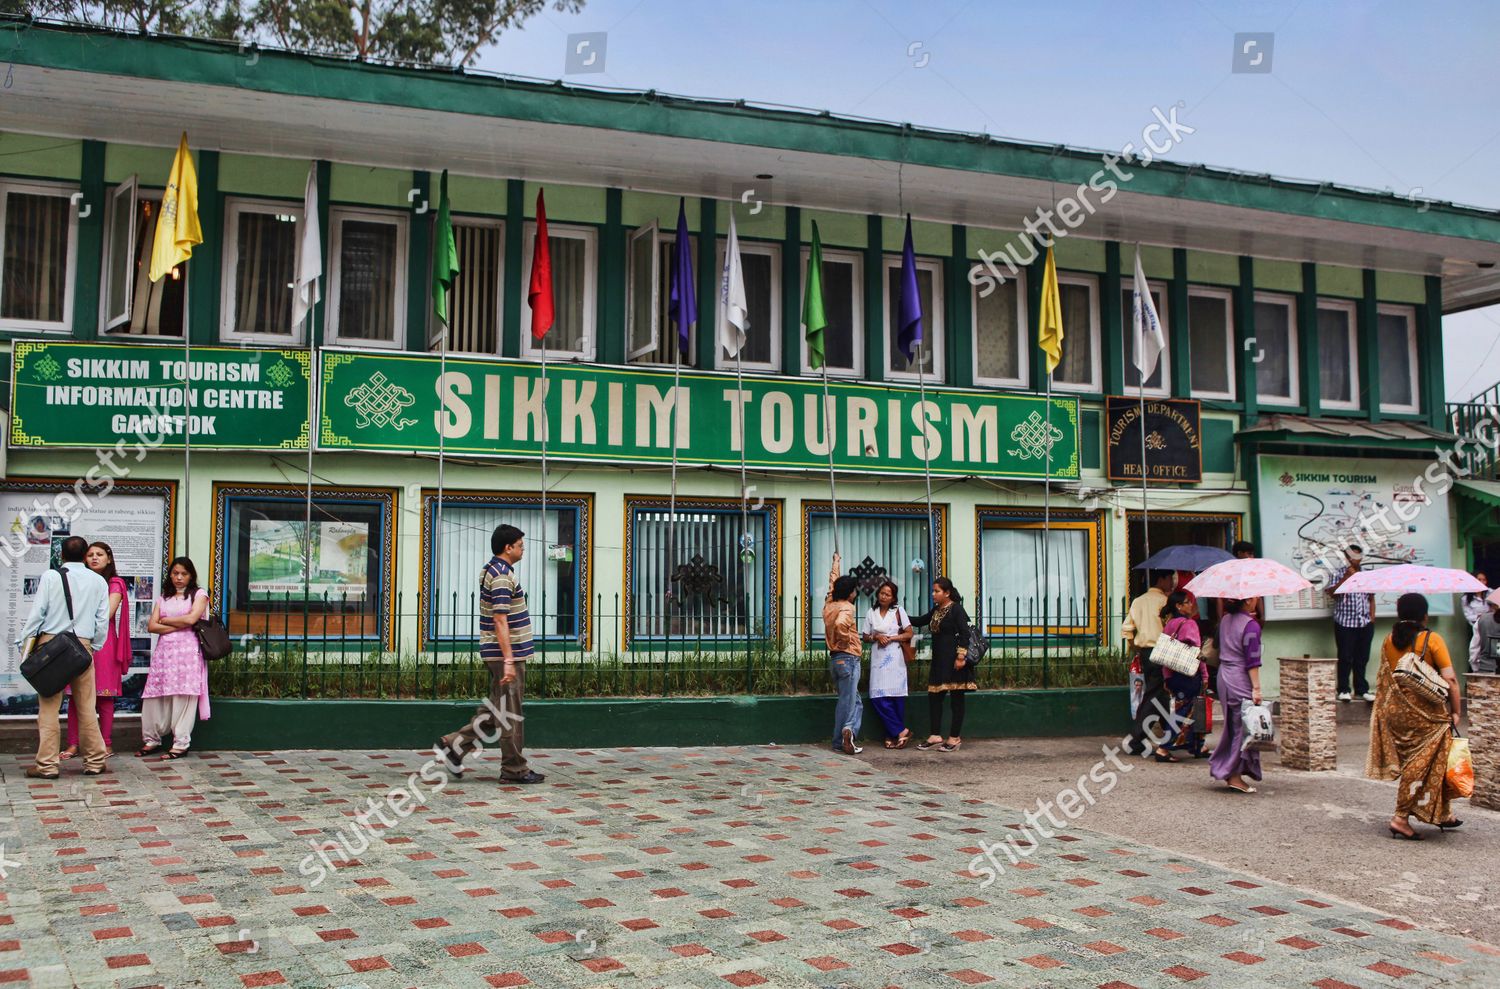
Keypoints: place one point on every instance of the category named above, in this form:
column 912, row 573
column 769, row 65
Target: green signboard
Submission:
column 97, row 395
column 628, row 415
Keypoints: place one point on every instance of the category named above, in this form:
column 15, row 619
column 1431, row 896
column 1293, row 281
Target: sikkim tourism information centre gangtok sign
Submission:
column 98, row 395
column 396, row 402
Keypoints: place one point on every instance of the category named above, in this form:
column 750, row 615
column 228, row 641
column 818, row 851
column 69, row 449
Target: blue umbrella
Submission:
column 1193, row 559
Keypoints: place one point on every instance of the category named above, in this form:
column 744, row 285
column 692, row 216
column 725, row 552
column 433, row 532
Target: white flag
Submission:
column 1148, row 339
column 734, row 313
column 306, row 290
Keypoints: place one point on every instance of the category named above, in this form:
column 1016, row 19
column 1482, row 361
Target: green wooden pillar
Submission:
column 1430, row 346
column 1181, row 340
column 960, row 344
column 320, row 311
column 1111, row 318
column 1369, row 347
column 418, row 267
column 1244, row 332
column 611, row 319
column 513, row 289
column 1035, row 273
column 875, row 342
column 791, row 293
column 90, row 254
column 203, row 269
column 708, row 284
column 1307, row 334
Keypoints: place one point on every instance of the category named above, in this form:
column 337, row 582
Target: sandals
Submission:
column 905, row 737
column 928, row 743
column 1165, row 756
column 1247, row 788
column 146, row 750
column 1403, row 835
column 1450, row 825
column 890, row 744
column 951, row 746
column 176, row 753
column 67, row 753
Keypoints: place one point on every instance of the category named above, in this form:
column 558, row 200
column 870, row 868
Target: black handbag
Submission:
column 61, row 659
column 213, row 637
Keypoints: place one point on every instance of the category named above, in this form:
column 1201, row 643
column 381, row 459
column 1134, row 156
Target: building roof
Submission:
column 85, row 82
column 1348, row 432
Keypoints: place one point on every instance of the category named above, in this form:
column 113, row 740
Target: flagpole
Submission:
column 932, row 560
column 1145, row 508
column 437, row 541
column 312, row 427
column 187, row 435
column 833, row 495
column 546, row 542
column 1046, row 516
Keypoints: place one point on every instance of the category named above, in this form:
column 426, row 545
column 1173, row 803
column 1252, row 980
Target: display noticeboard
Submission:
column 1173, row 445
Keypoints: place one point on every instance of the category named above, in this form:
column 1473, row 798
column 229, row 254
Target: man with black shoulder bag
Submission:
column 70, row 613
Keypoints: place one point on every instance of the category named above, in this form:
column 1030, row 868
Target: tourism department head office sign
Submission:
column 398, row 402
column 1173, row 444
column 96, row 395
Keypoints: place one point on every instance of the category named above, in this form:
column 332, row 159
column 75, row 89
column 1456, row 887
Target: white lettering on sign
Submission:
column 164, row 425
column 976, row 436
column 453, row 420
column 864, row 415
column 662, row 419
column 616, row 413
column 530, row 415
column 737, row 400
column 578, row 411
column 492, row 406
column 776, row 431
column 817, row 443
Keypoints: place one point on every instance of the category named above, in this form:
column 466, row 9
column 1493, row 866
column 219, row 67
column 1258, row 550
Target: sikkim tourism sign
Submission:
column 96, row 395
column 593, row 413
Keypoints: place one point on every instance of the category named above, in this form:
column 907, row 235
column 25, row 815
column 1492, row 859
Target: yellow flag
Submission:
column 177, row 229
column 1050, row 325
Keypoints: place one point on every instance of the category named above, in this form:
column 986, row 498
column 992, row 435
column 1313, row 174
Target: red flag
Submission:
column 539, row 295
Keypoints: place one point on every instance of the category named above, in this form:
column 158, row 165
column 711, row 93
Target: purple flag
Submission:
column 683, row 302
column 909, row 337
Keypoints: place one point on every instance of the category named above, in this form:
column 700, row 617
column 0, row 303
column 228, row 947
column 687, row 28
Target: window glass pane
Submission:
column 1077, row 364
column 548, row 570
column 689, row 581
column 758, row 270
column 570, row 282
column 838, row 307
column 1208, row 327
column 266, row 248
column 1013, row 585
column 157, row 307
column 474, row 309
column 121, row 255
column 871, row 548
column 1334, row 371
column 1127, row 324
column 367, row 280
column 1273, row 342
column 996, row 333
column 1395, row 359
column 897, row 354
column 35, row 266
column 668, row 340
column 642, row 325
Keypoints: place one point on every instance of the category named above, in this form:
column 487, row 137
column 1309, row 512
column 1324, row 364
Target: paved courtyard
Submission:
column 654, row 867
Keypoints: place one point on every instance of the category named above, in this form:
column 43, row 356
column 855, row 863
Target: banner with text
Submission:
column 1173, row 444
column 97, row 395
column 628, row 415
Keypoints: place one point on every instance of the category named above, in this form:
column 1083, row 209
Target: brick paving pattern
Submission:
column 654, row 867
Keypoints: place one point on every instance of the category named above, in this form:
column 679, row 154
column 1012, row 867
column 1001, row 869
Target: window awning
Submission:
column 1476, row 502
column 1393, row 434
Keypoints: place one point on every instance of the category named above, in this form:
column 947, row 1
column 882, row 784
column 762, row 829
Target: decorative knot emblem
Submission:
column 47, row 369
column 378, row 402
column 697, row 577
column 280, row 375
column 1155, row 441
column 869, row 574
column 1034, row 438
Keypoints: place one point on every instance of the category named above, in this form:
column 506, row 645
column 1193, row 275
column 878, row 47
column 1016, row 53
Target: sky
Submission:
column 1382, row 95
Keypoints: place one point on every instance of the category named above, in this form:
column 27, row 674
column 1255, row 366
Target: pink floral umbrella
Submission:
column 1408, row 577
column 1241, row 579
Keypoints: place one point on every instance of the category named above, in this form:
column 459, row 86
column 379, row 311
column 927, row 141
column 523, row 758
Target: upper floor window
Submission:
column 1211, row 342
column 1396, row 338
column 260, row 268
column 1338, row 354
column 761, row 263
column 1000, row 344
column 654, row 337
column 1160, row 379
column 474, row 303
column 367, row 287
column 1079, row 369
column 929, row 353
column 134, row 305
column 1275, row 349
column 574, row 280
column 40, row 231
column 843, row 306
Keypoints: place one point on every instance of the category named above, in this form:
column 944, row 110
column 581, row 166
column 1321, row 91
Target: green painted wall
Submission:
column 152, row 164
column 260, row 175
column 768, row 224
column 1399, row 286
column 1218, row 445
column 366, row 186
column 37, row 156
column 992, row 240
column 1340, row 281
column 1077, row 254
column 1212, row 268
column 482, row 197
column 1278, row 276
column 640, row 208
column 846, row 230
column 1091, row 439
column 926, row 238
column 1157, row 262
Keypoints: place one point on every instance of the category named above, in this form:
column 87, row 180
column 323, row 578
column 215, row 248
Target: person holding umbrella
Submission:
column 1353, row 631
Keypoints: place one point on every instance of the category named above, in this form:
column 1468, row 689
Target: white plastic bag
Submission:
column 1259, row 727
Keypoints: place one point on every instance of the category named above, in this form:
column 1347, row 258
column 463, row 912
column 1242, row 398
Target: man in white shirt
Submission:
column 90, row 622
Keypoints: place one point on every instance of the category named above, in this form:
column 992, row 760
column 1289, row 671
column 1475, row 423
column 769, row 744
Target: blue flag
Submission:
column 909, row 338
column 683, row 302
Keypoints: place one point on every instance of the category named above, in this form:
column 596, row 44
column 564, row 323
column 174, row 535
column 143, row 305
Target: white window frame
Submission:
column 402, row 222
column 1023, row 332
column 234, row 208
column 932, row 322
column 1351, row 311
column 1095, row 383
column 59, row 190
column 1412, row 365
column 116, row 327
column 1227, row 297
column 857, row 288
column 434, row 325
column 1161, row 298
column 1294, row 359
column 723, row 361
column 660, row 324
column 590, row 238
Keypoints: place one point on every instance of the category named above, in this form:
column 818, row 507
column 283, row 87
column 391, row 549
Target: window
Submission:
column 1275, row 349
column 929, row 357
column 133, row 304
column 1011, row 587
column 574, row 281
column 1211, row 342
column 1338, row 354
column 1161, row 378
column 1000, row 351
column 260, row 269
column 712, row 576
column 653, row 335
column 876, row 542
column 551, row 572
column 762, row 267
column 1079, row 368
column 367, row 290
column 1396, row 340
column 843, row 305
column 40, row 231
column 262, row 579
column 474, row 303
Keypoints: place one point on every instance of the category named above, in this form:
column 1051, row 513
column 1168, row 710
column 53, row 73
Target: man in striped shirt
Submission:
column 1353, row 632
column 505, row 643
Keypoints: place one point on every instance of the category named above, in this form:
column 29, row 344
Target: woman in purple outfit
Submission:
column 1239, row 681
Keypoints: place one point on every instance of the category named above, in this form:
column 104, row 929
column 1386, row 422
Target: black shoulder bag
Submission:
column 61, row 659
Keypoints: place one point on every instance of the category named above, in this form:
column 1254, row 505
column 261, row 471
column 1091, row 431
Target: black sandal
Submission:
column 146, row 750
column 1403, row 835
column 1450, row 825
column 177, row 753
column 926, row 744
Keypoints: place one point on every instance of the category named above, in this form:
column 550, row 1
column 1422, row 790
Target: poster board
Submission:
column 278, row 557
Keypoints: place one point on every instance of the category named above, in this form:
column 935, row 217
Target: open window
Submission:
column 135, row 305
column 119, row 255
column 574, row 287
column 644, row 335
column 260, row 269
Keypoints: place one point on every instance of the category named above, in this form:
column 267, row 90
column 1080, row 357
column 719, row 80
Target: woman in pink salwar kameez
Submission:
column 176, row 693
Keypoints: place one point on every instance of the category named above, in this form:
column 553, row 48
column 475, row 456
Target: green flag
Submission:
column 444, row 255
column 813, row 317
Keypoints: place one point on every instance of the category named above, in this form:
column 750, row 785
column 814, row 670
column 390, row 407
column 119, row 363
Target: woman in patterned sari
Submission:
column 1410, row 730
